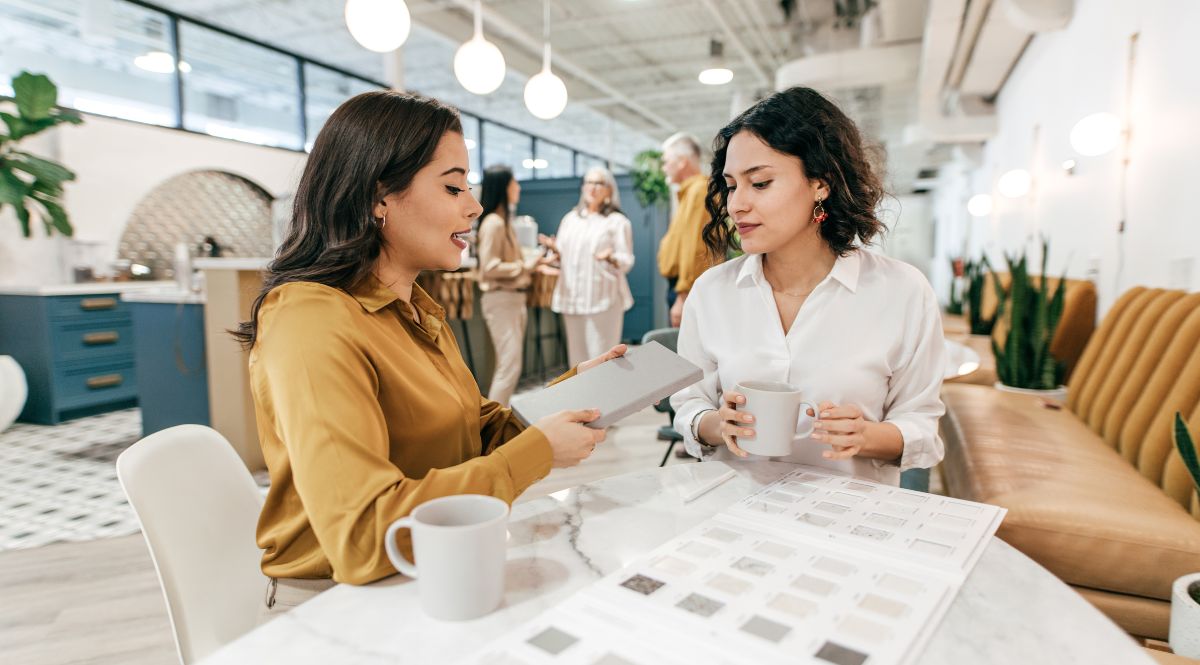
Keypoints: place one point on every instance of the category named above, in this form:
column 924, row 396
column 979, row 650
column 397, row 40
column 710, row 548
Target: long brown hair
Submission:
column 371, row 146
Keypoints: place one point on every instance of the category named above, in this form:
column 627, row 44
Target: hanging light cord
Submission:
column 1126, row 144
column 546, row 34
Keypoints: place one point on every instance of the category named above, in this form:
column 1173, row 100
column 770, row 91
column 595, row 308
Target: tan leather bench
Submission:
column 1096, row 492
column 1074, row 329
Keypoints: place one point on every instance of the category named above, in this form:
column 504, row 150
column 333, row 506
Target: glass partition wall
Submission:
column 133, row 60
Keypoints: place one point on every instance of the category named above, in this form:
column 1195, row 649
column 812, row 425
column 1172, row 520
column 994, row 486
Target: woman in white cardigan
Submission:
column 858, row 333
column 595, row 247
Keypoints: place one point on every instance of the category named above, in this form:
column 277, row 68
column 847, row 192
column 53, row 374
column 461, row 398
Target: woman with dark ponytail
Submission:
column 504, row 278
column 365, row 407
column 857, row 332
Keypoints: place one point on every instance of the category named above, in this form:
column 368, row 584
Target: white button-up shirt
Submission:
column 869, row 334
column 585, row 284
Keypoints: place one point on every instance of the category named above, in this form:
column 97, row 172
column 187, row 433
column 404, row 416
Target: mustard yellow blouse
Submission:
column 363, row 414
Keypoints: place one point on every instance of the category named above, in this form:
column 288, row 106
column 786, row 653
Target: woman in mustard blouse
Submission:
column 365, row 407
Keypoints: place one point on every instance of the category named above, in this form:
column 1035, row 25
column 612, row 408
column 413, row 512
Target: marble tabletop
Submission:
column 1010, row 609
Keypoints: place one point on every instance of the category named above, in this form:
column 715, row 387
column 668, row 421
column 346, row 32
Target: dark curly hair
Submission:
column 803, row 123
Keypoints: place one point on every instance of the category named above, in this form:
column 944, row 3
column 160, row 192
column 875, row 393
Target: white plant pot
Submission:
column 1058, row 394
column 1185, row 618
column 13, row 391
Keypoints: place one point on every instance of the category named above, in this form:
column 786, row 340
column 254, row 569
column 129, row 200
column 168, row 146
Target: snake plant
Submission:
column 976, row 275
column 1033, row 313
column 1187, row 449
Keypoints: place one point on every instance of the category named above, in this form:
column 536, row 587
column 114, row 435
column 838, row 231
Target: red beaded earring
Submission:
column 819, row 213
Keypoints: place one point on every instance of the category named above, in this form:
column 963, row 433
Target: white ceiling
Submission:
column 632, row 61
column 631, row 65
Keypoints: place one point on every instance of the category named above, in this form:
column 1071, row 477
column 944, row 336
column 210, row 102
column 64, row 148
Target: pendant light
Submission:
column 378, row 25
column 478, row 64
column 545, row 93
column 716, row 73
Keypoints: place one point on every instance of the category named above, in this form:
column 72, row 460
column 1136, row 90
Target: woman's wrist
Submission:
column 882, row 441
column 706, row 427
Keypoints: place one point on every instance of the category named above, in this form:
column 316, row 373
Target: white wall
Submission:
column 117, row 163
column 1062, row 77
column 910, row 230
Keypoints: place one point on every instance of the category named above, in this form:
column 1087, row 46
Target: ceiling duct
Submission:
column 969, row 49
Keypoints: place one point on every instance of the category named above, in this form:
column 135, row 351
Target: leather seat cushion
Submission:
column 1074, row 505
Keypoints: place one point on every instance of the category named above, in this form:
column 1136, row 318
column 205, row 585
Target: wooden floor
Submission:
column 99, row 602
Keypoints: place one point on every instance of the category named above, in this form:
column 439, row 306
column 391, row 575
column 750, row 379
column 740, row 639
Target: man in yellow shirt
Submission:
column 682, row 256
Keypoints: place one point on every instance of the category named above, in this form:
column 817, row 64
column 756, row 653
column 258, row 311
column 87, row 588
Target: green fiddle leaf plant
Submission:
column 30, row 183
column 1033, row 313
column 649, row 180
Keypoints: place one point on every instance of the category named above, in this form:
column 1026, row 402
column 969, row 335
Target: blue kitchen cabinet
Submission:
column 76, row 351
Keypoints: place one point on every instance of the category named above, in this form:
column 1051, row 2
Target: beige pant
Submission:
column 506, row 315
column 589, row 335
column 283, row 594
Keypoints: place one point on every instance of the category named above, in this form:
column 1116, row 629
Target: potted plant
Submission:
column 1184, row 636
column 955, row 305
column 1024, row 363
column 33, row 185
column 975, row 273
column 649, row 180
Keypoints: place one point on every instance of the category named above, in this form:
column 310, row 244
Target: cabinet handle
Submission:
column 105, row 381
column 92, row 339
column 90, row 304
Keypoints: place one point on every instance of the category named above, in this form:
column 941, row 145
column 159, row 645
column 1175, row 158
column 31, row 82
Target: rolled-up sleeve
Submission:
column 913, row 401
column 703, row 395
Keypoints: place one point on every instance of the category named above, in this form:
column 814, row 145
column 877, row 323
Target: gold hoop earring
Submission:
column 819, row 213
column 381, row 222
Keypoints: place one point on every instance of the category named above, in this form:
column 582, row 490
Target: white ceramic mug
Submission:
column 459, row 545
column 780, row 417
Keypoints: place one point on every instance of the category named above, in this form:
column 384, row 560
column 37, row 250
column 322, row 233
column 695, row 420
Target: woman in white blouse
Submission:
column 595, row 247
column 858, row 333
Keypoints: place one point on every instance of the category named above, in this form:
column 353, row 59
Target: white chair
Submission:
column 198, row 506
column 13, row 391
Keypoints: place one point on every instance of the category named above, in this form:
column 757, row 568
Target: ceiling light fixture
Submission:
column 160, row 62
column 378, row 25
column 716, row 73
column 478, row 64
column 545, row 93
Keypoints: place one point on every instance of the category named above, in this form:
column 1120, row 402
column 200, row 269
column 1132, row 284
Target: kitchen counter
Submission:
column 166, row 296
column 83, row 288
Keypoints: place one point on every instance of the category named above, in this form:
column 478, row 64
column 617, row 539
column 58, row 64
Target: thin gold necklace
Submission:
column 786, row 293
column 794, row 295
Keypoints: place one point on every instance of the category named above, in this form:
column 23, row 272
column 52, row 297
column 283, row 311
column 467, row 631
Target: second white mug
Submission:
column 780, row 417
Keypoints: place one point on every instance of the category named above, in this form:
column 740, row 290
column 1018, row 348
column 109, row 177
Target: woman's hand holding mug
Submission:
column 727, row 423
